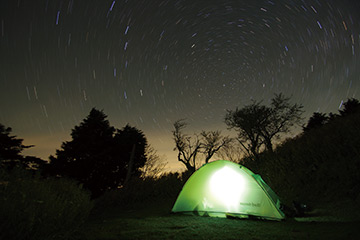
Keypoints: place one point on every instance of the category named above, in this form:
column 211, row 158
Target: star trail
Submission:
column 151, row 62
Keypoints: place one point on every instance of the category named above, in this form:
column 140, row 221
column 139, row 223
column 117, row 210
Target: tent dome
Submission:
column 223, row 188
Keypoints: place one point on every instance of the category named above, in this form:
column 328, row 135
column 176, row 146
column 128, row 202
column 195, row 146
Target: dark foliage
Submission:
column 332, row 116
column 10, row 146
column 258, row 125
column 321, row 165
column 98, row 156
column 143, row 194
column 10, row 151
column 351, row 106
column 32, row 207
column 246, row 121
column 131, row 139
column 315, row 121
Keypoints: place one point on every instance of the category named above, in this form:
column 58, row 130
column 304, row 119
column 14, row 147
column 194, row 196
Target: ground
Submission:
column 156, row 222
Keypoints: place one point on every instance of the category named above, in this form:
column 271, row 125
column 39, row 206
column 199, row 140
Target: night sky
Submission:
column 151, row 62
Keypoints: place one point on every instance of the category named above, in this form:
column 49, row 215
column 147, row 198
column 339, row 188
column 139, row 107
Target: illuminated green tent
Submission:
column 226, row 189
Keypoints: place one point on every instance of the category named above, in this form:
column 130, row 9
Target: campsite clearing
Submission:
column 192, row 227
column 156, row 222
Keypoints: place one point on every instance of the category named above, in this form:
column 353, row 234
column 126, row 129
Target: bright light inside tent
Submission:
column 227, row 186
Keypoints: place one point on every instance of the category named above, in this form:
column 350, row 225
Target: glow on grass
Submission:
column 227, row 186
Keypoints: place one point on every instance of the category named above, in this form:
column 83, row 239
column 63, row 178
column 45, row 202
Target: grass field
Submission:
column 156, row 222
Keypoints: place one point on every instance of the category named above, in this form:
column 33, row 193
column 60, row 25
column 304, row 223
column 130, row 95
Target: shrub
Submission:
column 141, row 193
column 36, row 208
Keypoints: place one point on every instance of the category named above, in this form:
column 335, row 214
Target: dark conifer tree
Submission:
column 350, row 106
column 133, row 144
column 10, row 146
column 10, row 151
column 98, row 156
column 316, row 120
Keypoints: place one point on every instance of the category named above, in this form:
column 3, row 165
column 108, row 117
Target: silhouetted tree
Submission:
column 231, row 152
column 315, row 121
column 350, row 106
column 186, row 147
column 208, row 144
column 246, row 122
column 212, row 142
column 98, row 156
column 154, row 165
column 133, row 144
column 332, row 116
column 282, row 117
column 10, row 151
column 258, row 125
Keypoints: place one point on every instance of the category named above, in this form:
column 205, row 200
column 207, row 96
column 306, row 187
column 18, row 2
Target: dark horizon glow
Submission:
column 150, row 63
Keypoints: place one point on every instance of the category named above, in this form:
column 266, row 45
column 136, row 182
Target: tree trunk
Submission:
column 189, row 167
column 130, row 165
column 268, row 145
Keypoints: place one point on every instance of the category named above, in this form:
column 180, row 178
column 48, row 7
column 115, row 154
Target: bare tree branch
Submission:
column 212, row 143
column 154, row 165
column 189, row 148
